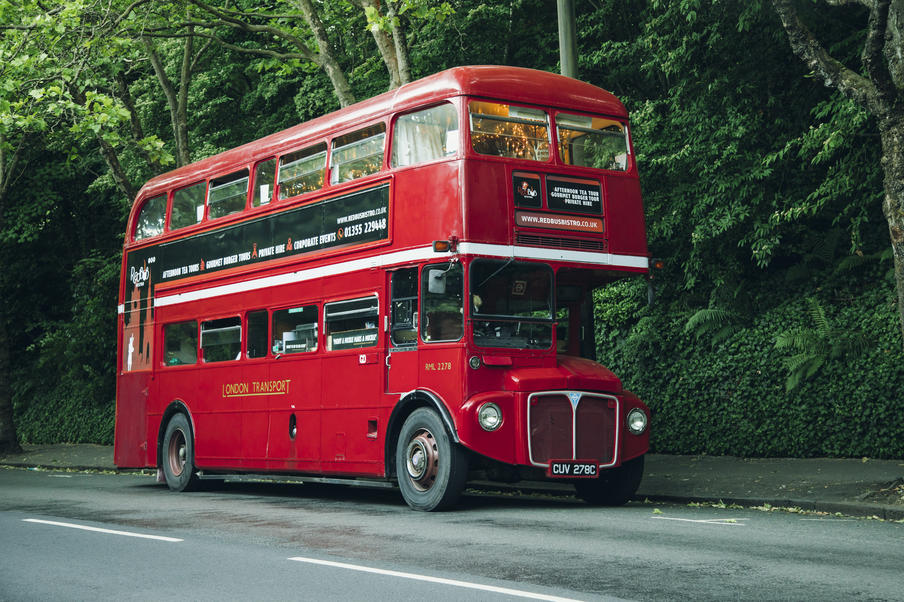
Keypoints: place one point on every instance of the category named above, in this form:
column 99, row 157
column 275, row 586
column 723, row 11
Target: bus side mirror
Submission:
column 436, row 282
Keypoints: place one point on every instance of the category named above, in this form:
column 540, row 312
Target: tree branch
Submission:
column 873, row 57
column 815, row 56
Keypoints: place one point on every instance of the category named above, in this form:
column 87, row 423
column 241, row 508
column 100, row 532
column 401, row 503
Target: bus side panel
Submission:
column 625, row 225
column 352, row 385
column 426, row 202
column 297, row 379
column 487, row 195
column 131, row 447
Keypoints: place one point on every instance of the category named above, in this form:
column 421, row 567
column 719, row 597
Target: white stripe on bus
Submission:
column 400, row 257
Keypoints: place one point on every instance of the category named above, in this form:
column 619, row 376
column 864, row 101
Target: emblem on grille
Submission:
column 574, row 398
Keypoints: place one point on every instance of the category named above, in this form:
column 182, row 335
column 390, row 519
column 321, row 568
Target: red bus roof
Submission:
column 515, row 84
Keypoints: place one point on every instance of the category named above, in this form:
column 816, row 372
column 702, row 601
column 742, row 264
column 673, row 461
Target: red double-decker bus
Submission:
column 396, row 292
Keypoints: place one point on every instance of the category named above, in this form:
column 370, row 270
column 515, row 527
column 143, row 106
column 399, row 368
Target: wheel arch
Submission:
column 409, row 402
column 175, row 407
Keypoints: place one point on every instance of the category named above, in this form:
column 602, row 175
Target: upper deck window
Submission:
column 264, row 179
column 302, row 171
column 228, row 194
column 151, row 218
column 592, row 141
column 425, row 136
column 357, row 154
column 188, row 206
column 509, row 131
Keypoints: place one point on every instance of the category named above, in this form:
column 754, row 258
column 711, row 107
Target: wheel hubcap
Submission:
column 176, row 453
column 422, row 460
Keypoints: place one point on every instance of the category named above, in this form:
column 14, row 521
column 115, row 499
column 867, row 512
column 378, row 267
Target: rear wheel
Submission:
column 431, row 468
column 614, row 487
column 178, row 456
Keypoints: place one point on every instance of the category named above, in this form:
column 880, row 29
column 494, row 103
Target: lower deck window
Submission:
column 295, row 330
column 221, row 340
column 352, row 323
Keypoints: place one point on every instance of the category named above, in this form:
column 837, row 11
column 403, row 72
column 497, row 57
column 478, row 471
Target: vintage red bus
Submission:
column 396, row 292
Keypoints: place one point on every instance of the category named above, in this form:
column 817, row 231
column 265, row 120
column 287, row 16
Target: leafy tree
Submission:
column 880, row 91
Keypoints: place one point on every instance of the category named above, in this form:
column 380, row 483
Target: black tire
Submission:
column 614, row 487
column 431, row 468
column 178, row 455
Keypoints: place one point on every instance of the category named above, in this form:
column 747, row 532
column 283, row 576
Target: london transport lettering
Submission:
column 257, row 387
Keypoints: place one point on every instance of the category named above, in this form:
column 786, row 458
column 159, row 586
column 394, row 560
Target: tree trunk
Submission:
column 325, row 59
column 892, row 132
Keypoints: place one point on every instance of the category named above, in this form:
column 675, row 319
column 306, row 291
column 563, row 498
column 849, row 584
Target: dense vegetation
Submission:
column 775, row 330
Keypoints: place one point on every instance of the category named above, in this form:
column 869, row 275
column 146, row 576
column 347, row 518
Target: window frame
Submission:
column 144, row 205
column 380, row 128
column 164, row 339
column 625, row 131
column 172, row 205
column 273, row 351
column 456, row 153
column 218, row 330
column 224, row 181
column 302, row 153
column 546, row 111
column 365, row 312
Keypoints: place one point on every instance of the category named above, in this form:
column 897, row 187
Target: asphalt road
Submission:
column 75, row 536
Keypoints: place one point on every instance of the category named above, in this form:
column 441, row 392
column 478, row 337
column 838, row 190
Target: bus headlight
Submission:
column 637, row 421
column 489, row 416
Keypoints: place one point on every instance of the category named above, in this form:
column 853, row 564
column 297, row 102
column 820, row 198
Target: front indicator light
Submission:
column 489, row 416
column 637, row 421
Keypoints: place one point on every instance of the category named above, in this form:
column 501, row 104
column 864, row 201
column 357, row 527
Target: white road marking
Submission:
column 706, row 521
column 99, row 530
column 60, row 476
column 440, row 580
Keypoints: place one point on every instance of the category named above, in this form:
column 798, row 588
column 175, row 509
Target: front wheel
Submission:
column 614, row 487
column 178, row 456
column 431, row 468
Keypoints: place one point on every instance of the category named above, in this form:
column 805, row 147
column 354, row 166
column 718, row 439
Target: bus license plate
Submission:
column 573, row 469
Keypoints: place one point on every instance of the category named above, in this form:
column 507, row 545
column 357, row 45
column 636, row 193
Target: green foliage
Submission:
column 813, row 346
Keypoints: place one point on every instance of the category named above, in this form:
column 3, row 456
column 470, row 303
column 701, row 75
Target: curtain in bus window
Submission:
column 425, row 136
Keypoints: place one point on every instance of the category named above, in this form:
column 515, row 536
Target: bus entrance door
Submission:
column 402, row 351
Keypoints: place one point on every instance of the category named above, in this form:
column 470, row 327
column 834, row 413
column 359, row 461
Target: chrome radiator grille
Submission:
column 572, row 425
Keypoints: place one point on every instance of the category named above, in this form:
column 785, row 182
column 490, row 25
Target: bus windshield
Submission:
column 511, row 304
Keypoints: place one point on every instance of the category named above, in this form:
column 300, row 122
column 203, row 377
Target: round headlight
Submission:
column 489, row 416
column 474, row 361
column 637, row 421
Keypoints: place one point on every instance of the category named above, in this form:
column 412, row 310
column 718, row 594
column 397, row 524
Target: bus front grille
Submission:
column 566, row 425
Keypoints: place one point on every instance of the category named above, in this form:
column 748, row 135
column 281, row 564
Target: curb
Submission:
column 851, row 509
